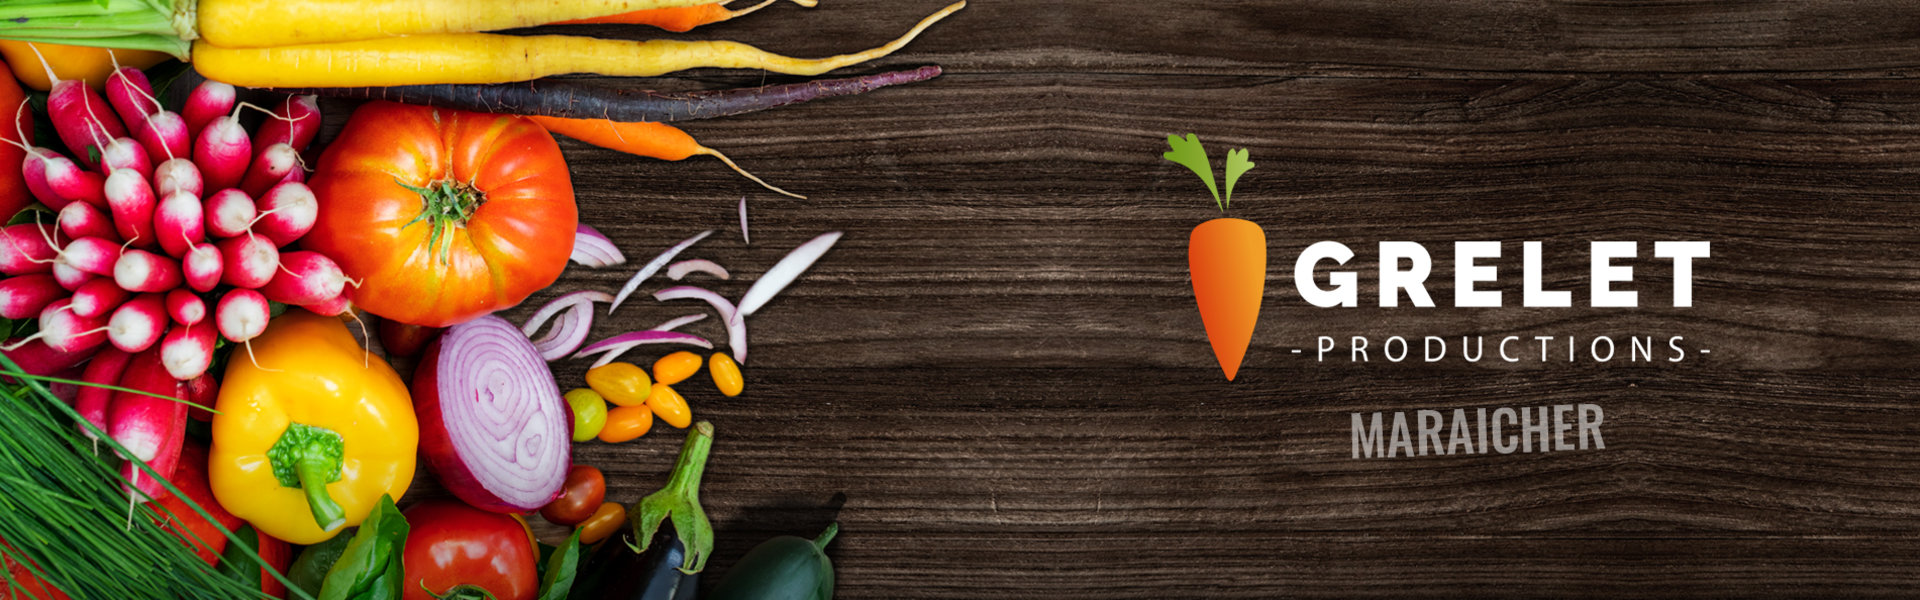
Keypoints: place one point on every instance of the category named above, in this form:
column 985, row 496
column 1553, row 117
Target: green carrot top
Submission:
column 1189, row 152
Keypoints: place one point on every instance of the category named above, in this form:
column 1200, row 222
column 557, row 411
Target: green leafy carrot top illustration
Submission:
column 1189, row 152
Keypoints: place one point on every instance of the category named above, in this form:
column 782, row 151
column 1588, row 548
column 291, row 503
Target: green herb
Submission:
column 65, row 514
column 1190, row 153
column 561, row 568
column 309, row 570
column 370, row 567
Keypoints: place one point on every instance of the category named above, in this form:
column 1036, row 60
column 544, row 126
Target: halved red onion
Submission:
column 785, row 271
column 564, row 302
column 568, row 333
column 619, row 344
column 743, row 221
column 593, row 249
column 680, row 269
column 652, row 267
column 678, row 322
column 492, row 423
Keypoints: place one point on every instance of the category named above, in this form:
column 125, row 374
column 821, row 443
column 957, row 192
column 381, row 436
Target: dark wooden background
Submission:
column 999, row 386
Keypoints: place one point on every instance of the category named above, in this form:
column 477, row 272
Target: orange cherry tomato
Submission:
column 624, row 384
column 626, row 423
column 606, row 520
column 585, row 489
column 675, row 368
column 726, row 374
column 670, row 406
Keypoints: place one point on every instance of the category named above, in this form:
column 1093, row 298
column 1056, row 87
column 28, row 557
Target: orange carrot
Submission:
column 1227, row 259
column 681, row 18
column 652, row 140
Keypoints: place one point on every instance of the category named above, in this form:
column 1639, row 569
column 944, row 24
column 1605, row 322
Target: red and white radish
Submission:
column 62, row 330
column 71, row 278
column 339, row 305
column 91, row 254
column 294, row 122
column 27, row 248
column 305, row 277
column 229, row 212
column 73, row 184
column 98, row 298
column 287, row 212
column 23, row 297
column 131, row 95
column 179, row 174
column 34, row 170
column 92, row 401
column 143, row 271
column 36, row 358
column 152, row 429
column 272, row 166
column 187, row 350
column 222, row 151
column 185, row 307
column 124, row 153
column 241, row 315
column 164, row 135
column 131, row 202
column 211, row 100
column 80, row 220
column 82, row 118
column 178, row 222
column 202, row 267
column 203, row 391
column 249, row 261
column 138, row 323
column 492, row 423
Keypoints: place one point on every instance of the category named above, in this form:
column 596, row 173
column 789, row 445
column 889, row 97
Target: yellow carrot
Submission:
column 267, row 23
column 493, row 58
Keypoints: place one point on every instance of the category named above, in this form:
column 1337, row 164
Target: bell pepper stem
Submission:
column 314, row 473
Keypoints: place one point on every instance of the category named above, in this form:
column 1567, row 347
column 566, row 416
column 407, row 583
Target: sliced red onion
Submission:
column 652, row 267
column 785, row 271
column 684, row 292
column 583, row 297
column 593, row 249
column 737, row 337
column 492, row 423
column 676, row 323
column 680, row 269
column 743, row 221
column 568, row 333
column 620, row 344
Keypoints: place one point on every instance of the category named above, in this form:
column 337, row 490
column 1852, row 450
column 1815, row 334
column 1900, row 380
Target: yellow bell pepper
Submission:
column 311, row 431
column 70, row 62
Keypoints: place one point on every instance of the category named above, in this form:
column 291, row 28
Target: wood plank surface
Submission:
column 999, row 386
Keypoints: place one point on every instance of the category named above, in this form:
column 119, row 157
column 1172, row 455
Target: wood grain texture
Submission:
column 999, row 386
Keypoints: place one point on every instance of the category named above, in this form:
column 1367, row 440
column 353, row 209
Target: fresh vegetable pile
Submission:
column 164, row 261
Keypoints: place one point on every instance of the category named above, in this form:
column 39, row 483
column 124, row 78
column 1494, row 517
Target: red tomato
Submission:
column 452, row 544
column 580, row 495
column 15, row 120
column 191, row 477
column 26, row 586
column 280, row 555
column 444, row 215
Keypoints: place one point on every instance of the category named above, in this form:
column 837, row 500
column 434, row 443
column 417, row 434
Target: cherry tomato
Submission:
column 624, row 384
column 675, row 368
column 626, row 423
column 452, row 544
column 580, row 496
column 401, row 339
column 589, row 413
column 670, row 406
column 726, row 374
column 603, row 523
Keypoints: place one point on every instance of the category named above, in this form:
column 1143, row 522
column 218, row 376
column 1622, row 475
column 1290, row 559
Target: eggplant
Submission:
column 674, row 534
column 783, row 568
column 616, row 572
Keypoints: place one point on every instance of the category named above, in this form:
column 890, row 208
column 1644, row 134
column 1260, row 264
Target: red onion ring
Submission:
column 618, row 344
column 652, row 267
column 568, row 333
column 564, row 302
column 492, row 423
column 785, row 271
column 743, row 221
column 685, row 292
column 593, row 249
column 677, row 322
column 680, row 269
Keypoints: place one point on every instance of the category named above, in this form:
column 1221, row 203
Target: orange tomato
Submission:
column 626, row 423
column 443, row 215
column 726, row 374
column 675, row 368
column 71, row 62
column 603, row 523
column 670, row 406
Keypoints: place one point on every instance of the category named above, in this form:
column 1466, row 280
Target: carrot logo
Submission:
column 1226, row 257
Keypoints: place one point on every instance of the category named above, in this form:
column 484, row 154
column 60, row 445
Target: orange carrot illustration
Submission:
column 1226, row 257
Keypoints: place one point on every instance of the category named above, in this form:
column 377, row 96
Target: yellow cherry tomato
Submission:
column 624, row 384
column 603, row 523
column 670, row 406
column 726, row 374
column 675, row 368
column 626, row 423
column 589, row 413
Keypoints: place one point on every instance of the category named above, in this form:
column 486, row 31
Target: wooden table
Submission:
column 999, row 385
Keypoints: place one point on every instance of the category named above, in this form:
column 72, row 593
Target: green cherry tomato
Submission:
column 589, row 413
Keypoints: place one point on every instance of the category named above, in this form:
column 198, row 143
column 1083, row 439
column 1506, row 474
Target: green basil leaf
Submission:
column 370, row 568
column 237, row 562
column 310, row 569
column 560, row 570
